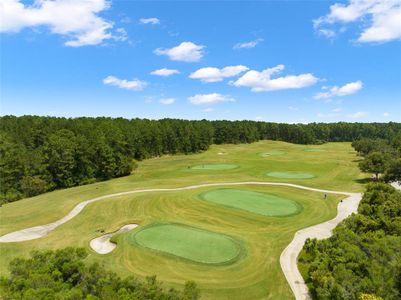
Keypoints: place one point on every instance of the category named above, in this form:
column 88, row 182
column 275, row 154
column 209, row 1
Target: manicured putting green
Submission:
column 215, row 167
column 290, row 175
column 314, row 150
column 254, row 202
column 272, row 153
column 188, row 242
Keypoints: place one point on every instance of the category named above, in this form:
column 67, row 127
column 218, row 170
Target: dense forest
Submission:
column 62, row 274
column 39, row 154
column 362, row 260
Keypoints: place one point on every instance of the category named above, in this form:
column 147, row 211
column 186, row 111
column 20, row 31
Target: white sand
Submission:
column 102, row 244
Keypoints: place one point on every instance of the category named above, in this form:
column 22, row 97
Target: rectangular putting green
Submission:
column 254, row 202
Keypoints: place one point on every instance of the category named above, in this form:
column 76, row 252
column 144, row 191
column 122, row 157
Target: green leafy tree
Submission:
column 393, row 172
column 63, row 274
column 374, row 162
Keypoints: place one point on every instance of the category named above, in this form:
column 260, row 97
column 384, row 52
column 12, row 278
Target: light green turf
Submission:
column 255, row 276
column 215, row 167
column 272, row 153
column 291, row 175
column 314, row 150
column 255, row 202
column 188, row 242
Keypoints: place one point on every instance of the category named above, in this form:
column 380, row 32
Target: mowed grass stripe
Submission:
column 187, row 242
column 291, row 175
column 215, row 167
column 254, row 202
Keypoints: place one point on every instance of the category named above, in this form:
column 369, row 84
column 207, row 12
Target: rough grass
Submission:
column 255, row 202
column 255, row 276
column 188, row 242
column 215, row 167
column 291, row 175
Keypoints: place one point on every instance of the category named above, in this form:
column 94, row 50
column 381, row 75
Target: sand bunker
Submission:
column 103, row 245
column 291, row 175
column 215, row 167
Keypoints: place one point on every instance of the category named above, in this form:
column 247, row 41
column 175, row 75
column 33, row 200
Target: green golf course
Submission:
column 189, row 243
column 291, row 175
column 272, row 153
column 215, row 167
column 258, row 203
column 226, row 239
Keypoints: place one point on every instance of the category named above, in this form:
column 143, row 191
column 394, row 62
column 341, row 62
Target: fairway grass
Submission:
column 188, row 242
column 256, row 275
column 291, row 175
column 254, row 202
column 215, row 167
column 314, row 150
column 272, row 153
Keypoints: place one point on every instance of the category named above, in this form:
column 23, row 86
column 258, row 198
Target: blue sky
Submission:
column 280, row 61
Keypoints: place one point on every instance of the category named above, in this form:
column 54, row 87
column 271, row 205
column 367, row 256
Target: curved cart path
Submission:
column 102, row 244
column 288, row 258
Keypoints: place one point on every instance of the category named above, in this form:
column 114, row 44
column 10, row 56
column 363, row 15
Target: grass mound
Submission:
column 272, row 153
column 190, row 243
column 215, row 167
column 291, row 175
column 254, row 202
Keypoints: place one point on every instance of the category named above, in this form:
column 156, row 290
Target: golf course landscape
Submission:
column 226, row 238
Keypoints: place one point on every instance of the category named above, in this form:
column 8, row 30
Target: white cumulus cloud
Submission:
column 335, row 91
column 78, row 21
column 262, row 81
column 381, row 19
column 186, row 52
column 152, row 21
column 167, row 101
column 247, row 45
column 213, row 98
column 165, row 72
column 134, row 84
column 211, row 74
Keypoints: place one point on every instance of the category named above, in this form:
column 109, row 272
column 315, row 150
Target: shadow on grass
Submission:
column 364, row 180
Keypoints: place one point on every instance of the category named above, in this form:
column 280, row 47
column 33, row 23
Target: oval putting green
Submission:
column 215, row 167
column 190, row 243
column 272, row 153
column 290, row 175
column 254, row 202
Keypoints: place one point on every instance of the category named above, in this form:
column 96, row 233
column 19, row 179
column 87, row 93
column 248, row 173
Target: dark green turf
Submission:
column 254, row 202
column 188, row 242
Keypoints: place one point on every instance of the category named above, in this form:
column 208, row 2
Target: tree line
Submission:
column 362, row 259
column 62, row 274
column 381, row 157
column 39, row 154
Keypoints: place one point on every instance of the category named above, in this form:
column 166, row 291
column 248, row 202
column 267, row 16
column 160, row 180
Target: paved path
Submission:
column 102, row 244
column 288, row 258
